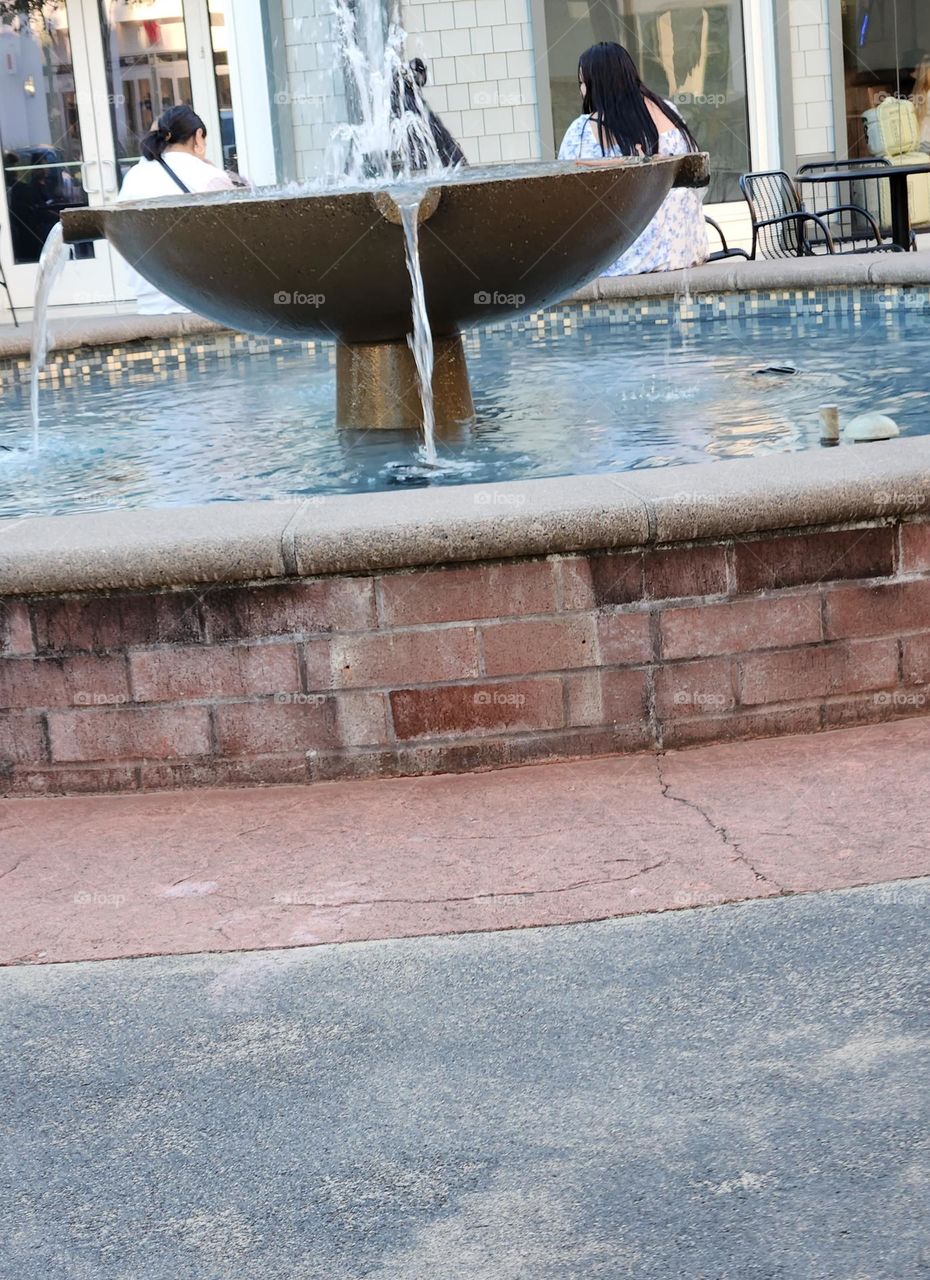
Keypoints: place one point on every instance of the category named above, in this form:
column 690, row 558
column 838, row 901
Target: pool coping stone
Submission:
column 362, row 533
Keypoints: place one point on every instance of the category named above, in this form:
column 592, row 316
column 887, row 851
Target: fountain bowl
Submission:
column 493, row 242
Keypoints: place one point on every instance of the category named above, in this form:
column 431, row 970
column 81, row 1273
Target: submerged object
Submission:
column 775, row 368
column 871, row 426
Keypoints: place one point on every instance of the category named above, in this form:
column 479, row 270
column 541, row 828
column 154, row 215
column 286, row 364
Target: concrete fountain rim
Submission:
column 245, row 542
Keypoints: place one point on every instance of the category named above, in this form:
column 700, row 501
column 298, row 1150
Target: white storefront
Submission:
column 760, row 81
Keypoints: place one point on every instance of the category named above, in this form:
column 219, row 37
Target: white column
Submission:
column 252, row 107
column 762, row 84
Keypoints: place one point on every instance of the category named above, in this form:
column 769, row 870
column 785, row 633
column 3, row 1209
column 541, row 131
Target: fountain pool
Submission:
column 576, row 389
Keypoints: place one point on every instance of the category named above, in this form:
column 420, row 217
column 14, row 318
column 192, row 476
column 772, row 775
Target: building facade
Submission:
column 763, row 84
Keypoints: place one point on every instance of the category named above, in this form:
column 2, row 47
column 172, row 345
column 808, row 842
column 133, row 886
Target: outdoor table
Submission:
column 897, row 176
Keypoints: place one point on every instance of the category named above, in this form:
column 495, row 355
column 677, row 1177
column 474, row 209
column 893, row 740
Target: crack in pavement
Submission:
column 722, row 832
column 18, row 863
column 476, row 897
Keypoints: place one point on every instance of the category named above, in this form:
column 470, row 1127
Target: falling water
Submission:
column 55, row 254
column 392, row 139
column 421, row 340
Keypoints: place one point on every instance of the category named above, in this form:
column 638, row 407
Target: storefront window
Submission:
column 688, row 52
column 886, row 47
column 145, row 47
column 39, row 126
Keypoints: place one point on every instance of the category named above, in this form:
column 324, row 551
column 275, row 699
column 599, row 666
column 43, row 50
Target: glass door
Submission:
column 51, row 150
column 81, row 82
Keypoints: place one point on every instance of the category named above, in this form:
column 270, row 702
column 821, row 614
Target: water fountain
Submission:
column 337, row 262
column 577, row 594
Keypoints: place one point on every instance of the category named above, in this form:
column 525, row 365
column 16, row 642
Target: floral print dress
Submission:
column 676, row 237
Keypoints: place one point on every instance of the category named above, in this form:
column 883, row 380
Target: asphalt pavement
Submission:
column 727, row 1093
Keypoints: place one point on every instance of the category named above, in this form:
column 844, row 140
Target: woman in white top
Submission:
column 173, row 162
column 622, row 117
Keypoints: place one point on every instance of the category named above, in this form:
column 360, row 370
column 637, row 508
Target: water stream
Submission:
column 421, row 340
column 55, row 254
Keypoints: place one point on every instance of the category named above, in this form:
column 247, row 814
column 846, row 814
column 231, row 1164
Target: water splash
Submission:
column 392, row 139
column 55, row 254
column 421, row 340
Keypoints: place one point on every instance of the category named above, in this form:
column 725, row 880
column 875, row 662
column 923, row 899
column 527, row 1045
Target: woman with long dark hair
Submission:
column 623, row 117
column 174, row 162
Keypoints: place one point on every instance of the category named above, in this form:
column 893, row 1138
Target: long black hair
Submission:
column 177, row 124
column 415, row 74
column 614, row 96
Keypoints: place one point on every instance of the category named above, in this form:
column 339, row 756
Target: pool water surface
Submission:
column 578, row 395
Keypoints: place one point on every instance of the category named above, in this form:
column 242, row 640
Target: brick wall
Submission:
column 468, row 666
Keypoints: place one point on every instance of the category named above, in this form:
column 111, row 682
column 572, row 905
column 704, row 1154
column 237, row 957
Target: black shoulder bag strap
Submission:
column 168, row 169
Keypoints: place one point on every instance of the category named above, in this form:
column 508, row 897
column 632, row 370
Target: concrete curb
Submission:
column 244, row 542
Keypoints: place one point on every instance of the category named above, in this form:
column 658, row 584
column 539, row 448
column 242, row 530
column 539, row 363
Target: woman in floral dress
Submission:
column 622, row 117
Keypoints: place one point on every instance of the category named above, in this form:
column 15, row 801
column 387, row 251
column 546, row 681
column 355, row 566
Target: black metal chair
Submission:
column 783, row 228
column 725, row 251
column 854, row 194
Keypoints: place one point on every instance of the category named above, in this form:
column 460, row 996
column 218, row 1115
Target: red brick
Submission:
column 915, row 547
column 478, row 591
column 277, row 728
column 818, row 672
column 180, row 674
column 735, row 725
column 22, row 739
column 671, row 572
column 361, row 718
column 740, row 625
column 916, row 659
column 297, row 609
column 706, row 687
column 485, row 752
column 306, row 722
column 876, row 708
column 110, row 622
column 625, row 638
column 84, row 681
column 129, row 733
column 15, row 628
column 74, row 780
column 211, row 772
column 393, row 659
column 607, row 698
column 317, row 663
column 557, row 644
column 889, row 609
column 765, row 564
column 577, row 587
column 516, row 705
column 617, row 577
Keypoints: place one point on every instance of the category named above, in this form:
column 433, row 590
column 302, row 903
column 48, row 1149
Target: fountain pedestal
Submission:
column 376, row 385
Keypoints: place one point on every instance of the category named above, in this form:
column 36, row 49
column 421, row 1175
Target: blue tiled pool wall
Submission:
column 146, row 359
